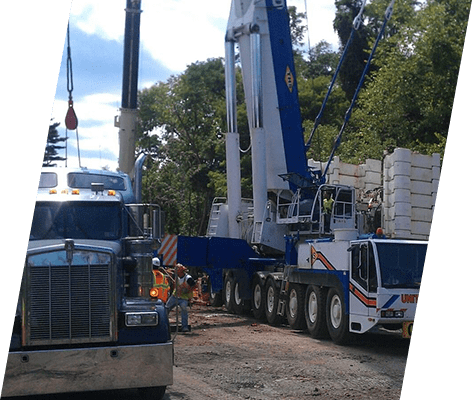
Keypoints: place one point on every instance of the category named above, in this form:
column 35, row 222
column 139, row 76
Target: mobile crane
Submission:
column 86, row 318
column 285, row 253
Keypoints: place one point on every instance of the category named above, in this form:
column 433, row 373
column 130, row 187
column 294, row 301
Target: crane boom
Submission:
column 261, row 30
column 129, row 96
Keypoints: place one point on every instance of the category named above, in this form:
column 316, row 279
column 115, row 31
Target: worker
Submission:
column 327, row 210
column 328, row 203
column 161, row 281
column 182, row 294
column 379, row 234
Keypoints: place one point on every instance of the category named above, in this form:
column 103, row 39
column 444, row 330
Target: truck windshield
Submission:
column 401, row 264
column 76, row 220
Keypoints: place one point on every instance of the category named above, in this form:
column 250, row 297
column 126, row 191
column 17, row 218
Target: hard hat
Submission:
column 180, row 266
column 156, row 262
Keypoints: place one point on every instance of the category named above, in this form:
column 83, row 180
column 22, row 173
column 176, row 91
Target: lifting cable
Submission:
column 355, row 26
column 337, row 142
column 71, row 118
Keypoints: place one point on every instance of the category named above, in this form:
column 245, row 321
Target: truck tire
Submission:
column 315, row 312
column 258, row 298
column 272, row 302
column 295, row 307
column 227, row 287
column 152, row 393
column 336, row 318
column 238, row 305
column 216, row 298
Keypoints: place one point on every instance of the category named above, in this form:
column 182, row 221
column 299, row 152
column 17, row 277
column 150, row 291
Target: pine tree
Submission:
column 52, row 147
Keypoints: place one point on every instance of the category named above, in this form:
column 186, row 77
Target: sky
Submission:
column 173, row 34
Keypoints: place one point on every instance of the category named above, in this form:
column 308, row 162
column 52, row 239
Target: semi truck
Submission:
column 305, row 249
column 85, row 319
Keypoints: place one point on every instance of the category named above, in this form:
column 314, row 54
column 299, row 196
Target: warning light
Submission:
column 154, row 292
column 75, row 191
column 111, row 193
column 52, row 191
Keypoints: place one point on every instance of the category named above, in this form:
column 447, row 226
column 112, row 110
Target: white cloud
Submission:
column 320, row 16
column 105, row 18
column 96, row 129
column 178, row 33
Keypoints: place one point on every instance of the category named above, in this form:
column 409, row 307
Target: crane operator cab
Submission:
column 319, row 210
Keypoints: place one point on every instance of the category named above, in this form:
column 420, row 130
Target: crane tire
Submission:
column 295, row 306
column 315, row 312
column 258, row 298
column 227, row 288
column 337, row 319
column 271, row 302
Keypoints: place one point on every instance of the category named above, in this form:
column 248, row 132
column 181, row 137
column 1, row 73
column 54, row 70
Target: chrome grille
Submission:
column 68, row 302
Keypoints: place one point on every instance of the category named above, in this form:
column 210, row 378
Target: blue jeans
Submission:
column 183, row 304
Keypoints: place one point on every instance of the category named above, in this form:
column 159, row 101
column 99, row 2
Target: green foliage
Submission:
column 408, row 100
column 181, row 127
column 52, row 146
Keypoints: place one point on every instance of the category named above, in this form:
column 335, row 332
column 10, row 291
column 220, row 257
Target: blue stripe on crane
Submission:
column 289, row 107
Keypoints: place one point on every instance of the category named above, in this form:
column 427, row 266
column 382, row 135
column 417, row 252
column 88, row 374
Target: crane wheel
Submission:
column 336, row 318
column 295, row 307
column 315, row 312
column 271, row 302
column 227, row 287
column 258, row 298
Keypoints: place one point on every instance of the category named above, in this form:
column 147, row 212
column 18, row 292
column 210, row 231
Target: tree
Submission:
column 351, row 70
column 50, row 152
column 182, row 125
column 408, row 100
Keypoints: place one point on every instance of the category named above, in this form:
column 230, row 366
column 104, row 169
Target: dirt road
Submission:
column 226, row 356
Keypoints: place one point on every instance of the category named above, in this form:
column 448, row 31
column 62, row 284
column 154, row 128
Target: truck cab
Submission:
column 385, row 278
column 85, row 316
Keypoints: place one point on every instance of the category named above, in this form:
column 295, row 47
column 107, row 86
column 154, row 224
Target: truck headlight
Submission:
column 141, row 319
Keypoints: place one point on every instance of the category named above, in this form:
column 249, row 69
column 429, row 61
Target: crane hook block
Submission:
column 71, row 118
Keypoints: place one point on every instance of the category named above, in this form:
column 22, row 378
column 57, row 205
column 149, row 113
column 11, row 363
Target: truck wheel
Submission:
column 152, row 393
column 272, row 302
column 295, row 307
column 315, row 312
column 258, row 298
column 227, row 292
column 238, row 305
column 216, row 298
column 336, row 317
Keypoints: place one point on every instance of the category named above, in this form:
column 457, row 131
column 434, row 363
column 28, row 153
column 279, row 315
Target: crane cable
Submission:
column 337, row 142
column 71, row 118
column 355, row 26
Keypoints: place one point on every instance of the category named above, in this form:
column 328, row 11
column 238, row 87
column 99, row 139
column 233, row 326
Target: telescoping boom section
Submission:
column 261, row 32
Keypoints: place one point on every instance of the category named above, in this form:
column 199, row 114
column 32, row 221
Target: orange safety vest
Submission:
column 183, row 290
column 162, row 285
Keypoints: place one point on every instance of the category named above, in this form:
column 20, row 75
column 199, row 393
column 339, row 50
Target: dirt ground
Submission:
column 226, row 356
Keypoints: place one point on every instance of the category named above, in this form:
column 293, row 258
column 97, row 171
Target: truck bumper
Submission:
column 78, row 370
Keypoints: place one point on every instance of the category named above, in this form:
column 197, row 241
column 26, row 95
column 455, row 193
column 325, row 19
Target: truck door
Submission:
column 363, row 280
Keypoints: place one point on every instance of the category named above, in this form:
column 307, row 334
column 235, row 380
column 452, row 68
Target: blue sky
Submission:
column 174, row 34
